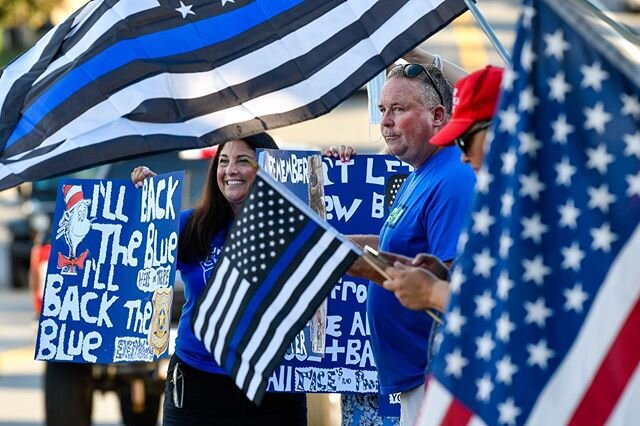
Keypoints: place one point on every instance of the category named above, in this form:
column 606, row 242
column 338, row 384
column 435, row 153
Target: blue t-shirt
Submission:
column 426, row 217
column 195, row 277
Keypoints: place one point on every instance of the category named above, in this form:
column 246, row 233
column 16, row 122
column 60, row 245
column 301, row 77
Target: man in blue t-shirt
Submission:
column 426, row 217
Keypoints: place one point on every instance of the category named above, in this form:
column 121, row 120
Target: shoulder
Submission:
column 450, row 171
column 184, row 217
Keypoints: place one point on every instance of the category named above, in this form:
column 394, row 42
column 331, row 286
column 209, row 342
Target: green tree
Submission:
column 21, row 23
column 32, row 13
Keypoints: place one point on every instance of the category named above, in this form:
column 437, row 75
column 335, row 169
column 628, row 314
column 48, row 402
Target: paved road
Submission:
column 21, row 397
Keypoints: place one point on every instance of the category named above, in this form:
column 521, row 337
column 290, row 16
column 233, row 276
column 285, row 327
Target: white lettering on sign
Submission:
column 102, row 196
column 157, row 199
column 138, row 319
column 293, row 169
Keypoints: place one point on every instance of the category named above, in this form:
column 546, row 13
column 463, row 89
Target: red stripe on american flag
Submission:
column 457, row 414
column 612, row 376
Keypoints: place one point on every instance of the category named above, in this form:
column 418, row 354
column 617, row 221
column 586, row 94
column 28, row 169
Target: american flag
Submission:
column 543, row 322
column 279, row 262
column 124, row 78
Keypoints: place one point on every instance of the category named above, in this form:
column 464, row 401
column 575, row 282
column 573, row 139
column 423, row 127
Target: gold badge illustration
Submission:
column 160, row 322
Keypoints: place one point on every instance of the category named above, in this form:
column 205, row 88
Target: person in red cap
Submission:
column 475, row 98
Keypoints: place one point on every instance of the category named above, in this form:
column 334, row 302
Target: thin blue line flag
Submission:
column 124, row 78
column 279, row 262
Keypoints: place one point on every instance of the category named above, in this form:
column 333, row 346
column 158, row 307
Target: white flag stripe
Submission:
column 281, row 101
column 435, row 404
column 212, row 322
column 282, row 299
column 22, row 65
column 226, row 324
column 296, row 312
column 208, row 300
column 616, row 298
column 627, row 409
column 84, row 14
column 119, row 12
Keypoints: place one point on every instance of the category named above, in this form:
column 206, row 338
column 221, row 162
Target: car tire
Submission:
column 68, row 390
column 147, row 415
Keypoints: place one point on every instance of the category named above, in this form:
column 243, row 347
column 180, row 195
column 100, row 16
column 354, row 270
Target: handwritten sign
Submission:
column 356, row 202
column 301, row 173
column 108, row 289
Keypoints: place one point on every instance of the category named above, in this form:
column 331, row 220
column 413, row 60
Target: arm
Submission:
column 452, row 72
column 360, row 267
column 416, row 288
column 422, row 260
column 139, row 174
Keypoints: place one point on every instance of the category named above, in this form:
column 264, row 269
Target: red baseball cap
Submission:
column 475, row 98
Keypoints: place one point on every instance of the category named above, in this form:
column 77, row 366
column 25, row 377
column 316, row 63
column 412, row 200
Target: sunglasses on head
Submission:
column 464, row 141
column 413, row 71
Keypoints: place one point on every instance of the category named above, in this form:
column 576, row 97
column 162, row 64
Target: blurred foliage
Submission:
column 7, row 55
column 34, row 13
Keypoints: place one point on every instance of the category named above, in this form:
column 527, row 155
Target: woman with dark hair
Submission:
column 198, row 391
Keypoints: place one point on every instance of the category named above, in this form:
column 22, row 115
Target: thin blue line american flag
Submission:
column 125, row 78
column 543, row 322
column 279, row 262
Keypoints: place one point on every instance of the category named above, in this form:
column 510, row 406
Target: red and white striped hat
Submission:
column 72, row 195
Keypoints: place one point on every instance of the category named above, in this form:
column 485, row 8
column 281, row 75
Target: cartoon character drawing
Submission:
column 74, row 226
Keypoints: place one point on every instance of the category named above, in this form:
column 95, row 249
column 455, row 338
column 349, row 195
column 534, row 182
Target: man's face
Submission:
column 475, row 153
column 407, row 123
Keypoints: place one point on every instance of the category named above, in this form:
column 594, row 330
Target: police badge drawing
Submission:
column 109, row 283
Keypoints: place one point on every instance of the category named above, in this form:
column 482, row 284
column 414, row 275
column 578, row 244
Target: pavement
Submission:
column 21, row 396
column 20, row 376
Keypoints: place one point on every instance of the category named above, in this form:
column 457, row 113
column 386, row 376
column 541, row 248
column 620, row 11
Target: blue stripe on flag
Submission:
column 157, row 45
column 267, row 285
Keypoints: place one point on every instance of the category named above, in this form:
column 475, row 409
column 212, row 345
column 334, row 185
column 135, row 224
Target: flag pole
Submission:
column 598, row 9
column 488, row 31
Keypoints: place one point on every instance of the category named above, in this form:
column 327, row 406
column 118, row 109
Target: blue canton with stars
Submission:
column 558, row 197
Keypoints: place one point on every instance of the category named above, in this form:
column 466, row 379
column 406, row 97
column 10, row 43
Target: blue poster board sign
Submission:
column 301, row 173
column 109, row 284
column 356, row 202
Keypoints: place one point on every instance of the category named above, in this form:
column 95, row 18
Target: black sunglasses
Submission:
column 414, row 70
column 464, row 141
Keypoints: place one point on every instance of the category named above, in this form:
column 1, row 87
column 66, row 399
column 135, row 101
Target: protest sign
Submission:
column 357, row 196
column 301, row 173
column 108, row 289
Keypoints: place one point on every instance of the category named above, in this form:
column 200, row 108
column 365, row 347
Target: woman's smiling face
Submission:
column 236, row 172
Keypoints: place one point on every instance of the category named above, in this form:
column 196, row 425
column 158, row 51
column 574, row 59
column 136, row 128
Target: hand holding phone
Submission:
column 380, row 262
column 377, row 261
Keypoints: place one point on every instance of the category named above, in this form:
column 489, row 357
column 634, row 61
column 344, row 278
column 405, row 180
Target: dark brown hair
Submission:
column 212, row 212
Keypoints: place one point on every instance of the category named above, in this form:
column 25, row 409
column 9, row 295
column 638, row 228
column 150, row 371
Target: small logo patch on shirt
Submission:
column 395, row 216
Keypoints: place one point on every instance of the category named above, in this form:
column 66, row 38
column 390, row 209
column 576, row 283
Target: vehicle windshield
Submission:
column 45, row 189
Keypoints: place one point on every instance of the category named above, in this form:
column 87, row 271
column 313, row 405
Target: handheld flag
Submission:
column 279, row 262
column 545, row 309
column 126, row 78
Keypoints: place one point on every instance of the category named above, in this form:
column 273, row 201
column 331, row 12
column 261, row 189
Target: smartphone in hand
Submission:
column 377, row 261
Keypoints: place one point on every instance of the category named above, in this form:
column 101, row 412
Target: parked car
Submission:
column 69, row 387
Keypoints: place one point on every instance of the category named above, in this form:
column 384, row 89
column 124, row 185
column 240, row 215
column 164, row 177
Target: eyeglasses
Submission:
column 464, row 141
column 414, row 70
